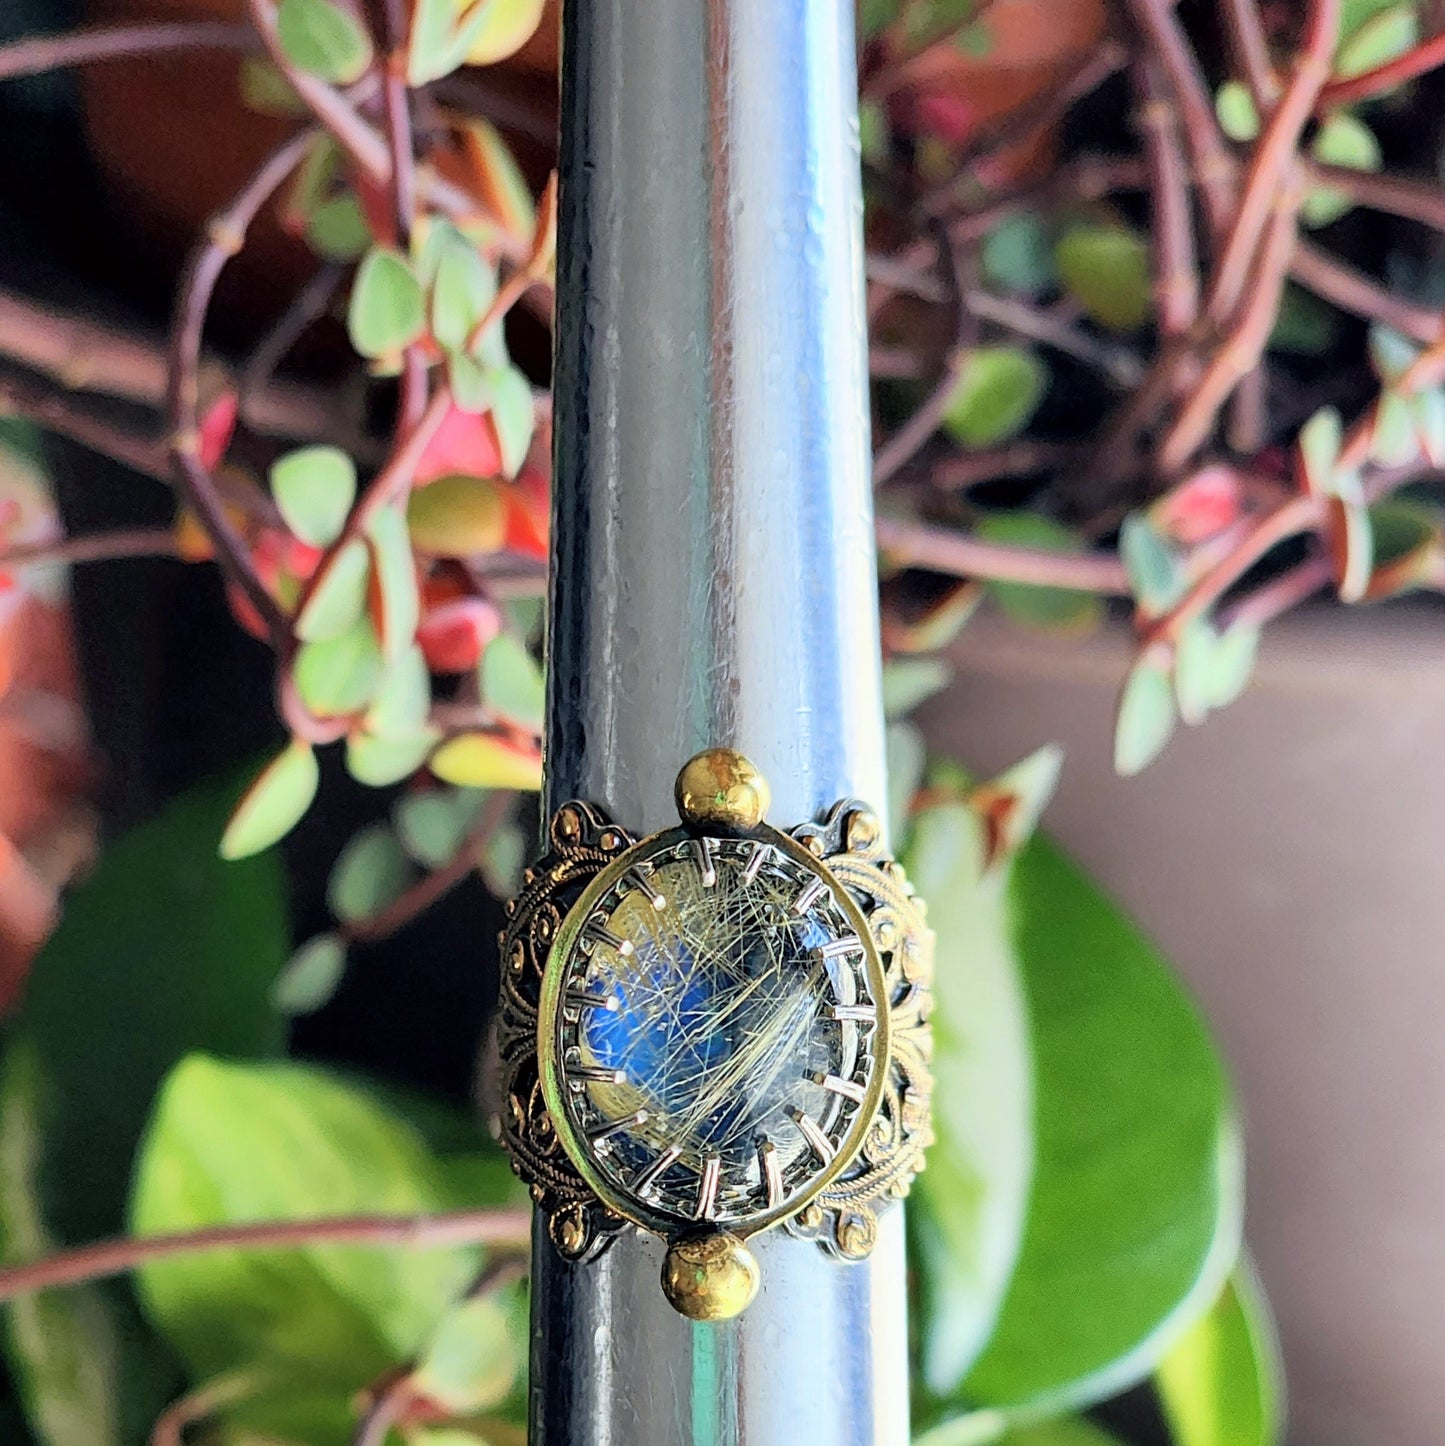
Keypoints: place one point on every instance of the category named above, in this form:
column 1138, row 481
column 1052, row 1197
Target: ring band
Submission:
column 715, row 1030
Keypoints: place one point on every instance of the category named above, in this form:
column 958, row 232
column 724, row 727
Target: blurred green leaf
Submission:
column 314, row 487
column 340, row 675
column 387, row 310
column 322, row 39
column 437, row 43
column 88, row 1371
column 486, row 760
column 338, row 596
column 906, row 756
column 378, row 762
column 1352, row 547
column 336, row 229
column 1219, row 1385
column 431, row 826
column 1386, row 34
column 1016, row 255
column 1391, row 354
column 1106, row 269
column 457, row 517
column 994, row 394
column 1342, row 140
column 1394, row 439
column 503, row 857
column 1211, row 669
column 1407, row 542
column 1055, row 608
column 513, row 415
column 371, row 872
column 473, row 1359
column 1238, row 117
column 1137, row 1195
column 1304, row 325
column 398, row 594
column 463, row 290
column 1156, row 576
column 986, row 1428
column 967, row 1210
column 403, row 702
column 909, row 681
column 512, row 683
column 1146, row 716
column 310, row 976
column 274, row 804
column 1319, row 444
column 236, row 1142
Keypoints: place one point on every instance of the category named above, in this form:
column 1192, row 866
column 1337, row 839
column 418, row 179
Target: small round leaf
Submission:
column 314, row 487
column 339, row 675
column 310, row 978
column 1106, row 269
column 322, row 39
column 1146, row 716
column 273, row 805
column 371, row 873
column 995, row 393
column 484, row 760
column 512, row 683
column 387, row 310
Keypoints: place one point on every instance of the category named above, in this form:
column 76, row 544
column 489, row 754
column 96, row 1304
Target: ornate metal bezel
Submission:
column 631, row 1205
column 709, row 1274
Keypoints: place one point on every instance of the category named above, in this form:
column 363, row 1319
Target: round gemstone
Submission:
column 714, row 1039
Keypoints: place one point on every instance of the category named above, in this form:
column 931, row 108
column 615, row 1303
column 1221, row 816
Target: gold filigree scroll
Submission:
column 844, row 1218
column 582, row 843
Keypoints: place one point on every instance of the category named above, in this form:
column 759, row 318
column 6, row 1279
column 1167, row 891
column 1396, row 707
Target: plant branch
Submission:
column 1118, row 363
column 94, row 547
column 956, row 554
column 500, row 1229
column 1176, row 270
column 1422, row 201
column 1279, row 595
column 1412, row 64
column 225, row 236
column 1250, row 49
column 1271, row 158
column 904, row 444
column 1351, row 290
column 38, row 54
column 55, row 412
column 195, row 1406
column 437, row 884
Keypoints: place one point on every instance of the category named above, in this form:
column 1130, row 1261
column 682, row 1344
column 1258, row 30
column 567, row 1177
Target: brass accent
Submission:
column 721, row 789
column 709, row 1277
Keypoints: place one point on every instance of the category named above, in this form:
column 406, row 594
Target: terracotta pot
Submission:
column 1287, row 858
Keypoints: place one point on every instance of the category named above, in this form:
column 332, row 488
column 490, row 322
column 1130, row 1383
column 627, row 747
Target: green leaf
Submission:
column 1137, row 1195
column 505, row 26
column 503, row 856
column 1394, row 439
column 171, row 949
column 513, row 415
column 432, row 825
column 1016, row 255
column 512, row 683
column 988, row 1428
column 371, row 873
column 274, row 803
column 1055, row 608
column 474, row 1358
column 1212, row 669
column 380, row 762
column 966, row 1211
column 387, row 310
column 1235, row 654
column 310, row 976
column 1106, row 269
column 403, row 702
column 464, row 288
column 1305, row 325
column 436, row 46
column 1146, row 717
column 1320, row 440
column 994, row 394
column 486, row 760
column 906, row 757
column 322, row 39
column 909, row 681
column 1220, row 1383
column 398, row 594
column 233, row 1142
column 1156, row 576
column 1352, row 547
column 1342, row 140
column 338, row 596
column 457, row 517
column 1406, row 538
column 336, row 229
column 314, row 487
column 1385, row 35
column 340, row 675
column 1234, row 106
column 1391, row 354
column 1014, row 800
column 87, row 1370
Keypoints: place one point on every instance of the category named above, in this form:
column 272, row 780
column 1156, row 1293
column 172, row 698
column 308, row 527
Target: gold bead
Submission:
column 709, row 1277
column 723, row 789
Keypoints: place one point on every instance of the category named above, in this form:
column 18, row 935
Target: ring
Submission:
column 715, row 1030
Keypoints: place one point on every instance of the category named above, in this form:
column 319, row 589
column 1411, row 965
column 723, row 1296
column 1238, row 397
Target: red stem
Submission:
column 1413, row 63
column 37, row 54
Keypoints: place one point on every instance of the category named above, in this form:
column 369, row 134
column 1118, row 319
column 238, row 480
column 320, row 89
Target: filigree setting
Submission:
column 714, row 1030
